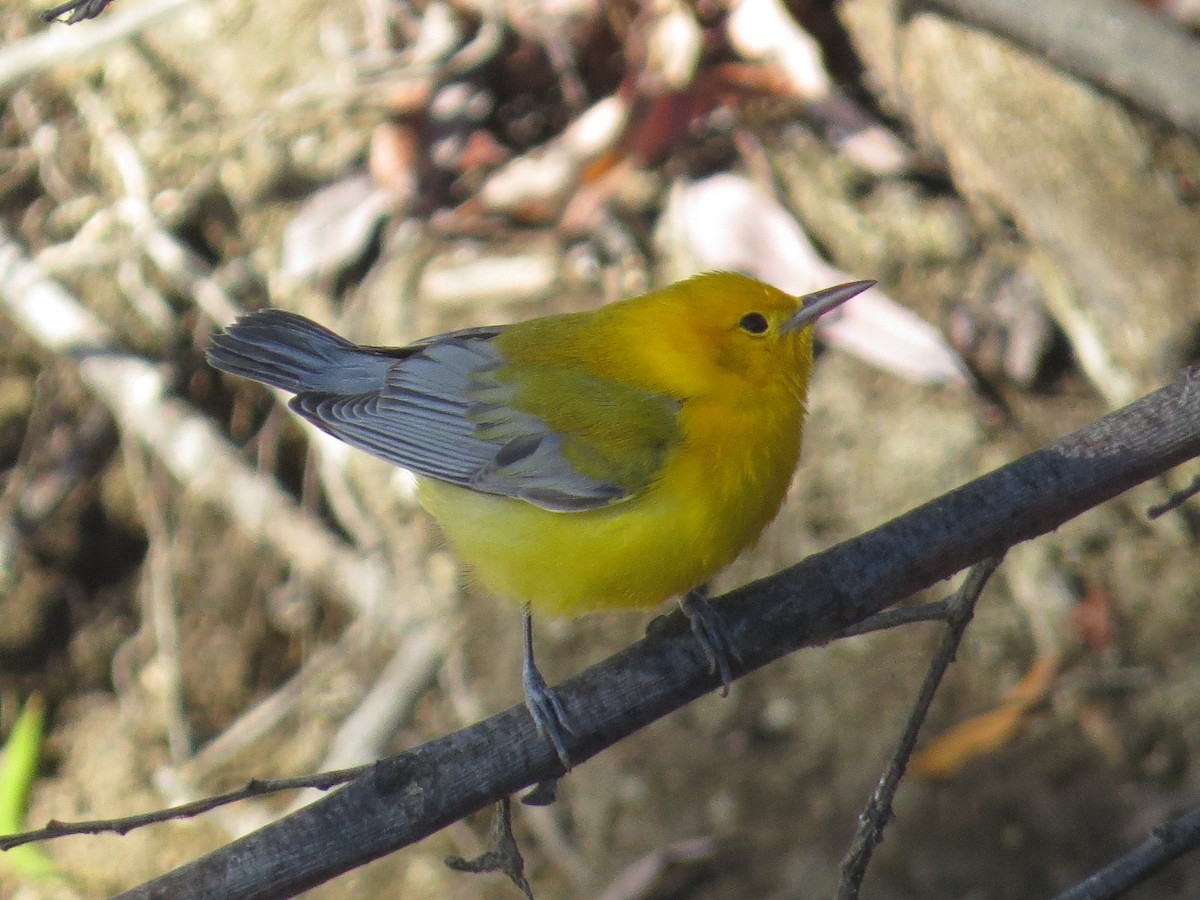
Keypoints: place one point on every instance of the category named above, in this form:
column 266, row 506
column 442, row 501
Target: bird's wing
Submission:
column 450, row 408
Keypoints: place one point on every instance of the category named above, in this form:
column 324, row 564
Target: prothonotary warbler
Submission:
column 590, row 461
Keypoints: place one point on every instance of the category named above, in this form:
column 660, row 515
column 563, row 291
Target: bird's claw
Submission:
column 711, row 635
column 549, row 715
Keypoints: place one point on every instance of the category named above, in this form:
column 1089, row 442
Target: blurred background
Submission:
column 196, row 590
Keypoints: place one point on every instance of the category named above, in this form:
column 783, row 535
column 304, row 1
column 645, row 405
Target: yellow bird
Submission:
column 598, row 460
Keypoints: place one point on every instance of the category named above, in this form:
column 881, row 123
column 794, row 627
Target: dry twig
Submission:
column 33, row 55
column 256, row 788
column 1167, row 843
column 1175, row 501
column 878, row 813
column 189, row 446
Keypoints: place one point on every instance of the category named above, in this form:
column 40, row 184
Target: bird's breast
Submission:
column 717, row 491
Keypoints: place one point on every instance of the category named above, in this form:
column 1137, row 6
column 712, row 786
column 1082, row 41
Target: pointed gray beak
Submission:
column 818, row 303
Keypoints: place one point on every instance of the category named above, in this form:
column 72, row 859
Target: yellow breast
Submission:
column 715, row 495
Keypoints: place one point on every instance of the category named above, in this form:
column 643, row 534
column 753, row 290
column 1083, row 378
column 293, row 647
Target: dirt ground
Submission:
column 183, row 646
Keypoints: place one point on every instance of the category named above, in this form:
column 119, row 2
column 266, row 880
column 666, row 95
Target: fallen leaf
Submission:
column 334, row 228
column 727, row 222
column 764, row 31
column 392, row 159
column 984, row 734
column 967, row 741
column 544, row 177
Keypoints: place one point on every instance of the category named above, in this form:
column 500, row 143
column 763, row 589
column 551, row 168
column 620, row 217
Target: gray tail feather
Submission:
column 288, row 351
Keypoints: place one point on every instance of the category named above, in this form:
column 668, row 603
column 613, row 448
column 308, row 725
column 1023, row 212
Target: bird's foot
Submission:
column 711, row 635
column 548, row 713
column 549, row 716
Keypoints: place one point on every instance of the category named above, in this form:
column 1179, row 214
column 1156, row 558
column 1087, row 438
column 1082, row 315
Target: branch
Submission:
column 879, row 808
column 137, row 393
column 1165, row 844
column 412, row 660
column 1126, row 50
column 1175, row 501
column 35, row 54
column 407, row 797
column 322, row 781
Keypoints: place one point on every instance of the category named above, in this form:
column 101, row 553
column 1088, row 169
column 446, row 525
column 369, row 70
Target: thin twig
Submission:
column 34, row 55
column 159, row 596
column 1176, row 500
column 123, row 825
column 190, row 274
column 879, row 808
column 1165, row 844
column 363, row 734
column 937, row 611
column 271, row 711
column 640, row 878
column 190, row 447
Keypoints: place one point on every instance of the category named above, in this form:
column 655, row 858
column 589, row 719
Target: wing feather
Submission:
column 453, row 408
column 446, row 411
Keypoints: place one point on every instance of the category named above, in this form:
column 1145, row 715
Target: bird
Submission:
column 607, row 459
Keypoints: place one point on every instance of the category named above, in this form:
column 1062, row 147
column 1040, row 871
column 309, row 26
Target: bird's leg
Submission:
column 549, row 716
column 710, row 633
column 503, row 856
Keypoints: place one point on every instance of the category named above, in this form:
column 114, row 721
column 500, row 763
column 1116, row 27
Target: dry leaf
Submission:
column 543, row 177
column 392, row 160
column 1033, row 688
column 764, row 31
column 980, row 735
column 334, row 228
column 673, row 43
column 967, row 741
column 727, row 222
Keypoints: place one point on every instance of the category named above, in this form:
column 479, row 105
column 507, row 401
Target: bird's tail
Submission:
column 288, row 351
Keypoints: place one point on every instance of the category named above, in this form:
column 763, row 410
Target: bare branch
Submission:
column 409, row 664
column 879, row 808
column 37, row 53
column 257, row 788
column 1167, row 843
column 1176, row 500
column 188, row 445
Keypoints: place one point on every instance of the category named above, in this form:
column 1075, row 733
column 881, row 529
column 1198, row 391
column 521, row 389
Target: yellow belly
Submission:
column 675, row 535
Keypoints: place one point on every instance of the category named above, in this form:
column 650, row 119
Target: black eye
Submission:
column 753, row 323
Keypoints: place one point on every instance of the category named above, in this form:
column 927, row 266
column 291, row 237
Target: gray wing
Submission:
column 428, row 416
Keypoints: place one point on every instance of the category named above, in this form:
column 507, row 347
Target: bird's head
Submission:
column 722, row 331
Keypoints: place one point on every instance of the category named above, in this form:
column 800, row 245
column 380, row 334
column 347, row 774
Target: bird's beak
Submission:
column 815, row 305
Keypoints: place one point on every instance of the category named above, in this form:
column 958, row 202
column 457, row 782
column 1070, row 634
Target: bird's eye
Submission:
column 753, row 323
